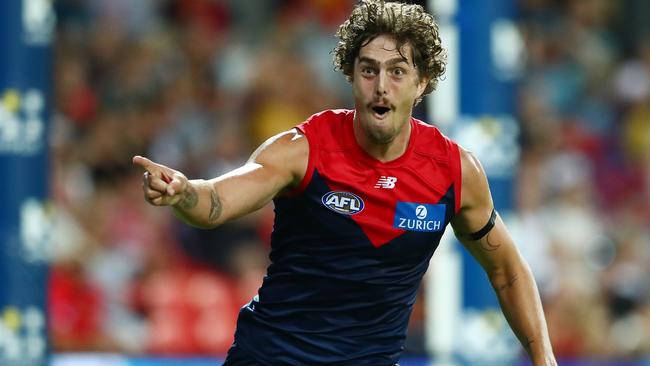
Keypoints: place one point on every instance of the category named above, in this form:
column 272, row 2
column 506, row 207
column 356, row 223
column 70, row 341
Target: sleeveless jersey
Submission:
column 349, row 248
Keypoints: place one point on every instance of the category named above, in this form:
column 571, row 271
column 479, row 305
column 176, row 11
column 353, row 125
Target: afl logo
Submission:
column 345, row 203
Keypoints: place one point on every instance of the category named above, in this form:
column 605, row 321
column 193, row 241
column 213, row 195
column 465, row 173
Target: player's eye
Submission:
column 398, row 71
column 367, row 71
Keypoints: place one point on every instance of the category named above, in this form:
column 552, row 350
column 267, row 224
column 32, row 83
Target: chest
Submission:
column 386, row 202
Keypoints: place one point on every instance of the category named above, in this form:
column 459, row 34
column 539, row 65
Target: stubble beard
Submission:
column 380, row 137
column 384, row 136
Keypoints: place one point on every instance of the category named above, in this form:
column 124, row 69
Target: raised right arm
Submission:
column 278, row 164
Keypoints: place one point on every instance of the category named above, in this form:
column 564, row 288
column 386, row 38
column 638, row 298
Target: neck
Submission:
column 383, row 151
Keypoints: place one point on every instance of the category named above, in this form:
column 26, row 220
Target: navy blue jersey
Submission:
column 349, row 248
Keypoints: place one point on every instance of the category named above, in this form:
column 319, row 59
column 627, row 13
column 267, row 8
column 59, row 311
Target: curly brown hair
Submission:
column 407, row 23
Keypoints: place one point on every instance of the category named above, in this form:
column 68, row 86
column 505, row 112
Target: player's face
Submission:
column 385, row 85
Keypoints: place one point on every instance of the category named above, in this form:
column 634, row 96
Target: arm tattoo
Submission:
column 507, row 285
column 190, row 200
column 215, row 206
column 488, row 246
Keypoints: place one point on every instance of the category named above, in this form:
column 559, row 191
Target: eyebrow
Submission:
column 391, row 62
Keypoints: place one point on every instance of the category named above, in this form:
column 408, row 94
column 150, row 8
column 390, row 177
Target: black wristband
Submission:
column 486, row 229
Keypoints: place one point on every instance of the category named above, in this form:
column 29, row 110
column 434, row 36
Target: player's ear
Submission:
column 349, row 72
column 422, row 86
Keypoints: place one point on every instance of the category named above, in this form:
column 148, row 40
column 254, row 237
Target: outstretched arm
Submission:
column 278, row 164
column 507, row 270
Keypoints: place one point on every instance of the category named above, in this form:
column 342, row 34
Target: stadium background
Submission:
column 197, row 84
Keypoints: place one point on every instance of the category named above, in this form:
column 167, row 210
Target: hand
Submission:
column 162, row 186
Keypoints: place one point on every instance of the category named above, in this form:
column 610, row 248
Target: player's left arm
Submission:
column 485, row 236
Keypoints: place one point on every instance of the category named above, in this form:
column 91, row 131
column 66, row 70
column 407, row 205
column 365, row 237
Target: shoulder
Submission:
column 286, row 152
column 325, row 129
column 474, row 180
column 431, row 141
column 476, row 202
column 324, row 120
column 290, row 143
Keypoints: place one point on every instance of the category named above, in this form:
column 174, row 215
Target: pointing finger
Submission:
column 141, row 161
column 147, row 164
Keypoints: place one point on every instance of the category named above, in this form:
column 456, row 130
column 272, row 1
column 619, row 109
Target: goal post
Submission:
column 474, row 104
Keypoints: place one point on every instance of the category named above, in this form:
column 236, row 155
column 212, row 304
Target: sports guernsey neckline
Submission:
column 366, row 158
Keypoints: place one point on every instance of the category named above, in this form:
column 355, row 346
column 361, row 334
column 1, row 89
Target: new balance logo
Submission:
column 386, row 182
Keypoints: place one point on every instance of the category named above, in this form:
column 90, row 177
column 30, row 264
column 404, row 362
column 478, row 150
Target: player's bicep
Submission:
column 494, row 250
column 477, row 225
column 275, row 166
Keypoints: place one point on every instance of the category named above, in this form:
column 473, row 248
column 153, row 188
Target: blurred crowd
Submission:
column 198, row 84
column 195, row 85
column 583, row 198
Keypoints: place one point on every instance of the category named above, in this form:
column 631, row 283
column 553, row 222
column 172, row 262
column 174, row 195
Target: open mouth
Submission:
column 381, row 111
